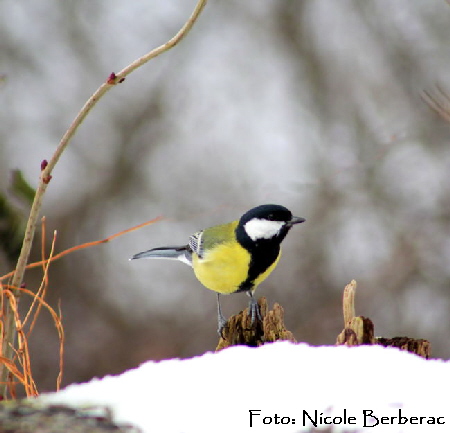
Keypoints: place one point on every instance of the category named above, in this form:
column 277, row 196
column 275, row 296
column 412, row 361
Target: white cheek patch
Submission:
column 262, row 229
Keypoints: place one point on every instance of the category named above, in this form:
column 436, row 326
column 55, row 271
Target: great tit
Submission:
column 234, row 257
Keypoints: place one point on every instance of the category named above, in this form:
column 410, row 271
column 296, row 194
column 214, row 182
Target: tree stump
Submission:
column 360, row 330
column 239, row 329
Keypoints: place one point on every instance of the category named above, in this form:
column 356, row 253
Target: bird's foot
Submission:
column 221, row 323
column 254, row 310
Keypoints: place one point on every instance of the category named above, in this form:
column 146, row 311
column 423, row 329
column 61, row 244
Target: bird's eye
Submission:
column 270, row 217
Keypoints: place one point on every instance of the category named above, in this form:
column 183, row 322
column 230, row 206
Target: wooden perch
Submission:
column 240, row 331
column 360, row 330
column 419, row 347
column 357, row 330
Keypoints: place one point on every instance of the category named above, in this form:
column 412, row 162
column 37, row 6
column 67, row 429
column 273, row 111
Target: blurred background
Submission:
column 315, row 105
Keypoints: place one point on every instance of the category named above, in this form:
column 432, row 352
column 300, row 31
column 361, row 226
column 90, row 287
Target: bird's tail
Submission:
column 181, row 253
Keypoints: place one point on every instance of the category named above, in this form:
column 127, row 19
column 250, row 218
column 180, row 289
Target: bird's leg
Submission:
column 220, row 319
column 253, row 308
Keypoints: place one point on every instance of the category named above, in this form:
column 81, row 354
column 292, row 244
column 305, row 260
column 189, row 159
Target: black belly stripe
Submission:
column 263, row 254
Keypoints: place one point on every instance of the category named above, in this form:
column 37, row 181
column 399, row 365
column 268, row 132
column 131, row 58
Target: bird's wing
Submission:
column 196, row 243
column 206, row 240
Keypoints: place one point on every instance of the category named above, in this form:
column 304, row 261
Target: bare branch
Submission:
column 47, row 169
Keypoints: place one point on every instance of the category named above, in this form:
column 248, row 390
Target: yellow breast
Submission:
column 224, row 268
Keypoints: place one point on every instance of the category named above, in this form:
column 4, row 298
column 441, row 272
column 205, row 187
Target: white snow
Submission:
column 214, row 393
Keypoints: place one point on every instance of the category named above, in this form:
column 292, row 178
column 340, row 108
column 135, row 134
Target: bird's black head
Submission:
column 266, row 222
column 260, row 231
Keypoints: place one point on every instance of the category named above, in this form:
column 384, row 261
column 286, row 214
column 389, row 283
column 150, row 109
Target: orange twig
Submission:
column 12, row 368
column 48, row 166
column 60, row 330
column 40, row 294
column 22, row 353
column 58, row 325
column 85, row 245
column 439, row 103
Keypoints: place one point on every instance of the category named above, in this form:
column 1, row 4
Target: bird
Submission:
column 234, row 257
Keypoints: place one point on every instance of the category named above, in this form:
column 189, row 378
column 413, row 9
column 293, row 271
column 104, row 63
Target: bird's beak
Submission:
column 295, row 220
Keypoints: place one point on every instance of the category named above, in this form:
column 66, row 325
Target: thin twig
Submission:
column 41, row 291
column 47, row 168
column 22, row 355
column 60, row 329
column 439, row 104
column 82, row 246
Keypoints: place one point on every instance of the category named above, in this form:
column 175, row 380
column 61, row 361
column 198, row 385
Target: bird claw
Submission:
column 220, row 319
column 254, row 310
column 222, row 322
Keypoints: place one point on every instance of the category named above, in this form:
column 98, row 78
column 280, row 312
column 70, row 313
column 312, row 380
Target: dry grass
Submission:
column 8, row 319
column 20, row 366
